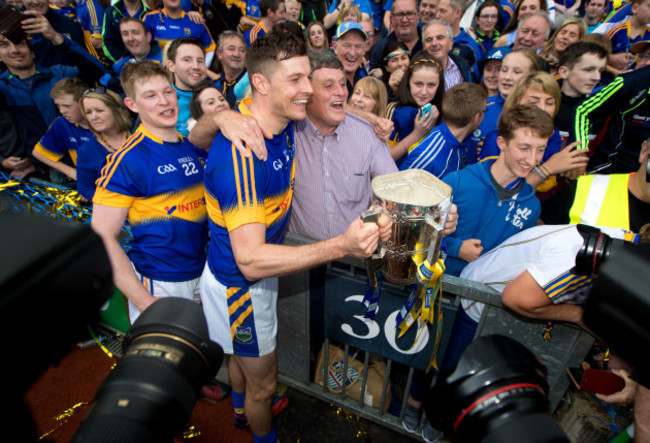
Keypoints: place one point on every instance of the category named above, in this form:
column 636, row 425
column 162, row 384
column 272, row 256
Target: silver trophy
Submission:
column 418, row 204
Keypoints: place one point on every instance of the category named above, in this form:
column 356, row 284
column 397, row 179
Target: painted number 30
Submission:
column 390, row 330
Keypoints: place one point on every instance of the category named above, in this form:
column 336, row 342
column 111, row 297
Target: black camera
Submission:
column 150, row 394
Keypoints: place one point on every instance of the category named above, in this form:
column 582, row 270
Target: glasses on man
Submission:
column 404, row 14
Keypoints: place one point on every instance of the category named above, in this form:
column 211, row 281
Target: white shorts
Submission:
column 243, row 321
column 184, row 289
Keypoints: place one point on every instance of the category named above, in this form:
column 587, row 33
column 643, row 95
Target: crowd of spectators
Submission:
column 534, row 112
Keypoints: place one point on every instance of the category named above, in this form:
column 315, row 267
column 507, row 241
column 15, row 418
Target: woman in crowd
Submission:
column 369, row 95
column 489, row 66
column 316, row 36
column 540, row 89
column 395, row 62
column 110, row 122
column 571, row 31
column 515, row 65
column 422, row 84
column 487, row 19
column 205, row 99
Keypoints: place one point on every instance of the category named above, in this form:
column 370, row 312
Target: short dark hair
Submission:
column 195, row 105
column 271, row 48
column 574, row 53
column 525, row 116
column 134, row 20
column 175, row 44
column 323, row 58
column 265, row 5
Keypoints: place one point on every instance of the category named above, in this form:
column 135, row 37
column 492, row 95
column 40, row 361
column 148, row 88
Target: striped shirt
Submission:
column 453, row 76
column 333, row 175
column 254, row 33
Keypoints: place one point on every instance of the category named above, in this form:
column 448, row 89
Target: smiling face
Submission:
column 16, row 56
column 514, row 66
column 317, row 37
column 522, row 153
column 135, row 38
column 540, row 98
column 437, row 42
column 565, row 37
column 211, row 100
column 447, row 13
column 532, row 33
column 326, row 107
column 155, row 101
column 362, row 99
column 427, row 10
column 528, row 7
column 233, row 54
column 349, row 49
column 399, row 62
column 404, row 20
column 491, row 76
column 289, row 90
column 188, row 67
column 99, row 116
column 488, row 19
column 424, row 84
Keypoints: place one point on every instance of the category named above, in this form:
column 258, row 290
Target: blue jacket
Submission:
column 32, row 110
column 490, row 121
column 482, row 215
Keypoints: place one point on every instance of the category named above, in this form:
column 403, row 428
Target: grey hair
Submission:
column 227, row 34
column 544, row 15
column 323, row 58
column 450, row 32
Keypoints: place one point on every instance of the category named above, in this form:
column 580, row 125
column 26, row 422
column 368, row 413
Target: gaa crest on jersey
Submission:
column 187, row 31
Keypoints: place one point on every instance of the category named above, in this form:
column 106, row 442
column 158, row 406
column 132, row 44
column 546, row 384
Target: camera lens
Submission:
column 496, row 385
column 150, row 394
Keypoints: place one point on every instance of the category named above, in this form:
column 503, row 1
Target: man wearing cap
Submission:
column 349, row 46
column 404, row 17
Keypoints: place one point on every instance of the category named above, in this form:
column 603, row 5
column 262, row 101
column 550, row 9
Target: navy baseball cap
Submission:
column 492, row 54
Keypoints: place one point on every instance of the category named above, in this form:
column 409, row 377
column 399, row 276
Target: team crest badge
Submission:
column 243, row 334
column 188, row 31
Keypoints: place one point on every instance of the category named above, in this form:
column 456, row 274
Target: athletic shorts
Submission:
column 184, row 289
column 243, row 321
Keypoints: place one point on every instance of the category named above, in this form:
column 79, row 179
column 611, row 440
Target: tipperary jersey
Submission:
column 162, row 185
column 241, row 190
column 254, row 33
column 165, row 29
column 61, row 138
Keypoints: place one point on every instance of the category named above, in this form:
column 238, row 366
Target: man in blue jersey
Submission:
column 156, row 180
column 449, row 147
column 271, row 11
column 249, row 203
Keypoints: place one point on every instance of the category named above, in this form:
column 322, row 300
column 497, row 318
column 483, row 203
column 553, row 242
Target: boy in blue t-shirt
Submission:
column 58, row 146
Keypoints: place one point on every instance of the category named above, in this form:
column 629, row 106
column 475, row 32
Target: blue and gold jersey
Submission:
column 165, row 29
column 162, row 185
column 403, row 118
column 241, row 190
column 254, row 33
column 61, row 138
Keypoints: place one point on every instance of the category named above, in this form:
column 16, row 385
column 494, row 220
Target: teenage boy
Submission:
column 156, row 180
column 249, row 203
column 580, row 68
column 186, row 60
column 633, row 30
column 493, row 198
column 58, row 146
column 448, row 147
column 272, row 11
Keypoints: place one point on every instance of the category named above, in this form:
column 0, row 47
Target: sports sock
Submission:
column 238, row 403
column 271, row 437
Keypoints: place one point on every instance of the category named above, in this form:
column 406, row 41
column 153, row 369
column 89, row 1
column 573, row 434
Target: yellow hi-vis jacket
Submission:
column 602, row 200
